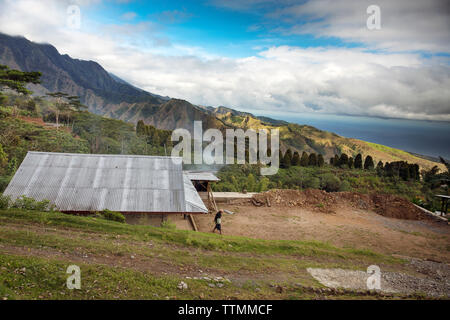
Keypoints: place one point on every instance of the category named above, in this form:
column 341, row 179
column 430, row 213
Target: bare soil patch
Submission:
column 384, row 204
column 343, row 219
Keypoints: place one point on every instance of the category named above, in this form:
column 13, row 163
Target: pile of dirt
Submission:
column 317, row 199
column 384, row 204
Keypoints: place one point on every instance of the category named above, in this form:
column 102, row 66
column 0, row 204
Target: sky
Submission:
column 286, row 56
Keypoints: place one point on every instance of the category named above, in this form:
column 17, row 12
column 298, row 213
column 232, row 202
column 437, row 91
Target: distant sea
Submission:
column 430, row 138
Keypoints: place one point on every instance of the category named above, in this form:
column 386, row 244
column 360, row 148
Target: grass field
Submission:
column 120, row 261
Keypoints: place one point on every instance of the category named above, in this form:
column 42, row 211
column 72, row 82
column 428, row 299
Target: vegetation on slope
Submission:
column 143, row 262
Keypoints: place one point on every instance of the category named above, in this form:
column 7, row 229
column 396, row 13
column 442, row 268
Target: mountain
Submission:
column 108, row 95
column 87, row 79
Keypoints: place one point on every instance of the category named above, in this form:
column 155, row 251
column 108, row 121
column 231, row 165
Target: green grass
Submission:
column 46, row 243
column 400, row 154
column 205, row 241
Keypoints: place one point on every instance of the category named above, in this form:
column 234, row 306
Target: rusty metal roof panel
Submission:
column 90, row 182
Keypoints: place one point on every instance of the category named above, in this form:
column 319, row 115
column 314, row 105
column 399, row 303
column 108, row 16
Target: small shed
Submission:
column 86, row 183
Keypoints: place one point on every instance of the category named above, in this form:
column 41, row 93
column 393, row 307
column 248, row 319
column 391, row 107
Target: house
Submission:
column 149, row 187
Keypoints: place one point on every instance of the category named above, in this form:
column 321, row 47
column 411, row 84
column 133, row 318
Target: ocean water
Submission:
column 431, row 138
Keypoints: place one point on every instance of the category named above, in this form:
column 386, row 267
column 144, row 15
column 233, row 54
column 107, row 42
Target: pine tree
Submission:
column 312, row 159
column 380, row 168
column 336, row 160
column 416, row 168
column 288, row 159
column 380, row 165
column 350, row 162
column 368, row 164
column 332, row 161
column 141, row 129
column 296, row 159
column 16, row 80
column 320, row 160
column 280, row 154
column 304, row 159
column 343, row 160
column 358, row 161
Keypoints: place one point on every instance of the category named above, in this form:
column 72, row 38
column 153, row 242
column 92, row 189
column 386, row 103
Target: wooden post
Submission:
column 211, row 196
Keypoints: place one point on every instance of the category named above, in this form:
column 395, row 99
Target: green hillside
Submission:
column 311, row 140
column 120, row 261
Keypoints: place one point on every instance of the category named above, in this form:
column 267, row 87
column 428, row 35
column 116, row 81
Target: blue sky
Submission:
column 286, row 57
column 218, row 30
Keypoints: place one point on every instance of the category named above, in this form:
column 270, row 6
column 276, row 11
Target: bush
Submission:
column 27, row 203
column 5, row 202
column 112, row 216
column 329, row 182
column 5, row 112
column 311, row 183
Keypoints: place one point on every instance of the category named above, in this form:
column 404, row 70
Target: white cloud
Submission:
column 405, row 24
column 287, row 79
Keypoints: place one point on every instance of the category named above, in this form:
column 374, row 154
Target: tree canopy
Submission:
column 17, row 80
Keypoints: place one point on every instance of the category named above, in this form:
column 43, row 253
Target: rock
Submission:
column 182, row 285
column 220, row 285
column 212, row 285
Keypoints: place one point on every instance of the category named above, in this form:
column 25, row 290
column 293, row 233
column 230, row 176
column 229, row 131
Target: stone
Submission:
column 182, row 285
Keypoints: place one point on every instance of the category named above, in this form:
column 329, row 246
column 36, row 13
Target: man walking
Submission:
column 218, row 221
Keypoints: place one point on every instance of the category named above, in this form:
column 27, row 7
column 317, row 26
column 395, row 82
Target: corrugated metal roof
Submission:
column 193, row 201
column 201, row 176
column 90, row 182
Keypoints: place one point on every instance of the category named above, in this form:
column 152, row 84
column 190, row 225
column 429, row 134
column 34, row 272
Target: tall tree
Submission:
column 312, row 159
column 60, row 104
column 320, row 160
column 368, row 164
column 350, row 162
column 296, row 159
column 17, row 80
column 141, row 129
column 358, row 161
column 287, row 158
column 343, row 160
column 304, row 159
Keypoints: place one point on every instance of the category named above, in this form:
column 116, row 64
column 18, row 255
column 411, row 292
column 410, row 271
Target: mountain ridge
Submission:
column 108, row 95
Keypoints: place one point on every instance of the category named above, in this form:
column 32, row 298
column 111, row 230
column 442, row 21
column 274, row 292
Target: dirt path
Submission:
column 435, row 280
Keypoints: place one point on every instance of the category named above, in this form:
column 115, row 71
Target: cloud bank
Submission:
column 338, row 80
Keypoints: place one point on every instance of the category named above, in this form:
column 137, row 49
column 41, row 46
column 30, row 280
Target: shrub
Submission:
column 330, row 182
column 28, row 203
column 112, row 215
column 311, row 183
column 5, row 112
column 5, row 202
